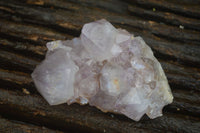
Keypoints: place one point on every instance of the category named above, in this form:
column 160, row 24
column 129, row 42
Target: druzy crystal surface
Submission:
column 107, row 68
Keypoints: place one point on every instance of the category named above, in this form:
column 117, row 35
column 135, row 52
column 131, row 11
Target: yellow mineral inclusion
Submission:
column 132, row 37
column 55, row 45
column 116, row 83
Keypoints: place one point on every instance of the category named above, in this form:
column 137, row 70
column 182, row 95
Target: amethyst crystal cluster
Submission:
column 106, row 67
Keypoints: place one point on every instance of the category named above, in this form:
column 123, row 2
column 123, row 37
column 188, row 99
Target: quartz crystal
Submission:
column 107, row 68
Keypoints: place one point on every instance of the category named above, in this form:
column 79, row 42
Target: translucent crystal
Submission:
column 106, row 67
column 55, row 76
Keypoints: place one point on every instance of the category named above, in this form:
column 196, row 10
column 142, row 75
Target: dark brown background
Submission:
column 26, row 25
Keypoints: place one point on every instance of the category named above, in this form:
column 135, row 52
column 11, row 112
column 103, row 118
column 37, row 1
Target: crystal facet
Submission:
column 106, row 67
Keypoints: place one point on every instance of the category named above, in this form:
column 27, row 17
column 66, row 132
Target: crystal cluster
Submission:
column 106, row 67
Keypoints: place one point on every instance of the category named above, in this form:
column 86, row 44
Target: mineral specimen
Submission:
column 106, row 67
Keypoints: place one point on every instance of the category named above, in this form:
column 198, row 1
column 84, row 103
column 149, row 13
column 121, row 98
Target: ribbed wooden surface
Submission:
column 171, row 28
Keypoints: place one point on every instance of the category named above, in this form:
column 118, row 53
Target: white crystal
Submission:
column 106, row 67
column 54, row 77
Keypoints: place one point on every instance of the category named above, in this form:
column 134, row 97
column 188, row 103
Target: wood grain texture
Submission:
column 171, row 28
column 11, row 126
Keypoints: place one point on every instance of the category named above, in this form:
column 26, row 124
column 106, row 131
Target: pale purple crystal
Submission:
column 106, row 67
